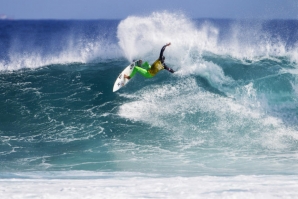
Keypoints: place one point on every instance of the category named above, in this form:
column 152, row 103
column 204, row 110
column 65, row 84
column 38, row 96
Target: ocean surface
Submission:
column 225, row 125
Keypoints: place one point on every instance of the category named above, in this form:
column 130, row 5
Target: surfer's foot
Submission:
column 126, row 76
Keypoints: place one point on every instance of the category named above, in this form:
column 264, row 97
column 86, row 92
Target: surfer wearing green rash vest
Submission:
column 150, row 71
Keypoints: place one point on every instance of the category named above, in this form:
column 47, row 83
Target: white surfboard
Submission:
column 121, row 81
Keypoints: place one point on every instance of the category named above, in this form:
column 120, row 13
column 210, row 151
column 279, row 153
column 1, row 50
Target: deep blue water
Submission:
column 230, row 109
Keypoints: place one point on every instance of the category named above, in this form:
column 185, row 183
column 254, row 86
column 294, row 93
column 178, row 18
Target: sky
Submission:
column 120, row 9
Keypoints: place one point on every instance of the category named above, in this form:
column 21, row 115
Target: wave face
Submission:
column 230, row 109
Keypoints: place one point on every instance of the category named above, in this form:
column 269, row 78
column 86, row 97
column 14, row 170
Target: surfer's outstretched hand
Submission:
column 168, row 44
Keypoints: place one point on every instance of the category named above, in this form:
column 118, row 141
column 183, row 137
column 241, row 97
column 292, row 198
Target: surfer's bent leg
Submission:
column 140, row 70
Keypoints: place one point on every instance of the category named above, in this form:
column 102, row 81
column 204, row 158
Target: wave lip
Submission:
column 56, row 42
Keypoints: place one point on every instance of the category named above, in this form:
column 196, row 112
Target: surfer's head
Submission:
column 139, row 63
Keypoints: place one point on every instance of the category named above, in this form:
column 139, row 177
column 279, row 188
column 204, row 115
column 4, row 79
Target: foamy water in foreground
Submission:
column 138, row 186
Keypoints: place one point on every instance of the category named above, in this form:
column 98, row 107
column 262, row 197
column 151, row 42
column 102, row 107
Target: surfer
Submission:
column 150, row 71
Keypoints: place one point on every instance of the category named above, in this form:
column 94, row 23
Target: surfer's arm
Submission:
column 168, row 69
column 162, row 50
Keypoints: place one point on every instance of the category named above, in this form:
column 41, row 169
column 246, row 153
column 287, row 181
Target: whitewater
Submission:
column 224, row 125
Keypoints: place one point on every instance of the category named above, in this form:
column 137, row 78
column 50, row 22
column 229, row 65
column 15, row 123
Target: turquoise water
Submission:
column 229, row 110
